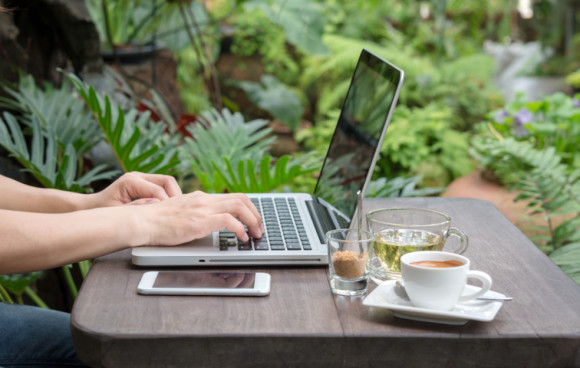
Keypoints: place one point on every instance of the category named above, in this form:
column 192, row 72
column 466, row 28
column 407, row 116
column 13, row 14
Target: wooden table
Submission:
column 301, row 324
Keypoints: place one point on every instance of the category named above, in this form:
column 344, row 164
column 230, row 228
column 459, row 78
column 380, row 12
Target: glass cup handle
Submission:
column 463, row 240
column 486, row 285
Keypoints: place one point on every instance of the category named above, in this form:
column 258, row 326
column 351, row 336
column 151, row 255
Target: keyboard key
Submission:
column 277, row 247
column 261, row 244
column 245, row 245
column 293, row 245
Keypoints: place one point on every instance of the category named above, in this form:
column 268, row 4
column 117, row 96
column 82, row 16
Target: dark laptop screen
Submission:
column 360, row 130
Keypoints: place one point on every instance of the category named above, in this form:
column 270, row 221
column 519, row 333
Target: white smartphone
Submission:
column 204, row 283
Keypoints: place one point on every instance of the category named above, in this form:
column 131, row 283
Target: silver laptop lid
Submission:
column 356, row 142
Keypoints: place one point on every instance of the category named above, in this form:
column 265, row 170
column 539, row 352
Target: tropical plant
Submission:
column 276, row 98
column 140, row 22
column 19, row 285
column 53, row 169
column 552, row 122
column 256, row 35
column 139, row 143
column 301, row 20
column 531, row 147
column 226, row 153
column 56, row 109
column 61, row 133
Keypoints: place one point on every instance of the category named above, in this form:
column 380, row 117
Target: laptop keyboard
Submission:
column 283, row 228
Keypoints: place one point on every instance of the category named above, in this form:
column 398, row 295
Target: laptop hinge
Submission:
column 321, row 219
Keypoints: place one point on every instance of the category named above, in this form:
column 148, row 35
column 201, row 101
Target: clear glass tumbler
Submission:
column 350, row 251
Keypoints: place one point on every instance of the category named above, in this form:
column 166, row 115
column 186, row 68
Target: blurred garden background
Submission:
column 243, row 95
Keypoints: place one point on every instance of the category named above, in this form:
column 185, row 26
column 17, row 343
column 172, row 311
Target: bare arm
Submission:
column 37, row 241
column 130, row 187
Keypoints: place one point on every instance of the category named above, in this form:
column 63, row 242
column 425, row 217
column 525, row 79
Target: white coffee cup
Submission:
column 438, row 287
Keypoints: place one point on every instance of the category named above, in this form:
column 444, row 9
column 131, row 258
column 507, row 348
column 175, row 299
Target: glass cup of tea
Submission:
column 436, row 280
column 349, row 251
column 399, row 231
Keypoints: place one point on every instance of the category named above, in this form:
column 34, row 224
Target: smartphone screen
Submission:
column 213, row 280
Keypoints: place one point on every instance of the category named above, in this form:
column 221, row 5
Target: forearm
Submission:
column 36, row 241
column 20, row 197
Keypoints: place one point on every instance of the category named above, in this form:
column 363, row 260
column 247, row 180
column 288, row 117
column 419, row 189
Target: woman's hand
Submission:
column 136, row 188
column 192, row 216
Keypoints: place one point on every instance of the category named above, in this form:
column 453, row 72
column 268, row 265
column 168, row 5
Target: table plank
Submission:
column 302, row 324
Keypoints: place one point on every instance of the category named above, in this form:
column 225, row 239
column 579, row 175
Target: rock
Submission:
column 41, row 35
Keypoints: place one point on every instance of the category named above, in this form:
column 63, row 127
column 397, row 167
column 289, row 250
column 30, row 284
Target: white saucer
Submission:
column 384, row 296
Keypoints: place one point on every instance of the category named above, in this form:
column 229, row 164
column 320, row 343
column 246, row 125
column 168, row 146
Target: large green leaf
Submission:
column 57, row 110
column 17, row 283
column 217, row 137
column 302, row 21
column 139, row 143
column 248, row 177
column 275, row 97
column 41, row 159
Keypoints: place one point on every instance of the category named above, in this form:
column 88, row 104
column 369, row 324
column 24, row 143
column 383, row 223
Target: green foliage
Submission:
column 302, row 21
column 264, row 178
column 568, row 258
column 225, row 153
column 57, row 110
column 139, row 143
column 43, row 161
column 191, row 85
column 257, row 34
column 220, row 138
column 552, row 122
column 62, row 132
column 573, row 79
column 275, row 98
column 419, row 142
column 462, row 84
column 539, row 158
column 19, row 284
column 142, row 22
column 422, row 142
column 399, row 187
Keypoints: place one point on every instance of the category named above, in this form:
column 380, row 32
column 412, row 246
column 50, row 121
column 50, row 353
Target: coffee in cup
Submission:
column 436, row 280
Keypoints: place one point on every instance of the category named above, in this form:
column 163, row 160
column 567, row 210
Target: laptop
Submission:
column 296, row 223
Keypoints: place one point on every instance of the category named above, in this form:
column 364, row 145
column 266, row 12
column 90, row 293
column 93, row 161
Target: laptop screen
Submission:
column 355, row 145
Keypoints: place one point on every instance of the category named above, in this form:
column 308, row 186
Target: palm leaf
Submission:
column 139, row 143
column 41, row 160
column 267, row 179
column 57, row 110
column 217, row 138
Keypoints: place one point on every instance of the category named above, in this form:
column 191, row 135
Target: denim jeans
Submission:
column 35, row 337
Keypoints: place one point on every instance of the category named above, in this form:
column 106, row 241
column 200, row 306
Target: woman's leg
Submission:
column 35, row 337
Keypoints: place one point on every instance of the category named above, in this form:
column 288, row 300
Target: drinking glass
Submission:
column 399, row 231
column 349, row 251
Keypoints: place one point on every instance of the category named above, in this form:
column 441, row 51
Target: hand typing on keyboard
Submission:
column 192, row 216
column 284, row 229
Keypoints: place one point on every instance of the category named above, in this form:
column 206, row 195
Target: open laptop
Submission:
column 296, row 223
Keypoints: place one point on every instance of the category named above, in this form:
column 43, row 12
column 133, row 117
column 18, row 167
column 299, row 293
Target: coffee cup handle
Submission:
column 463, row 240
column 486, row 285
